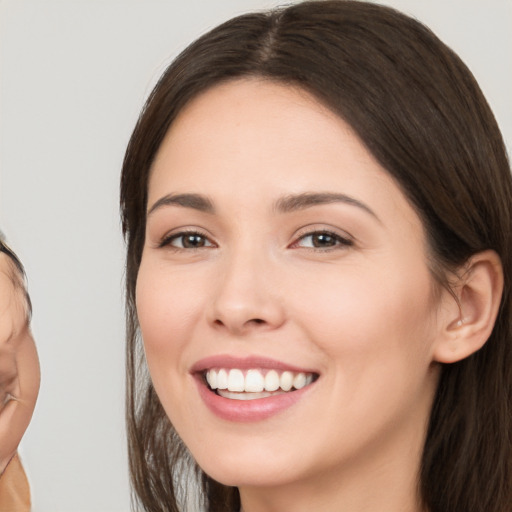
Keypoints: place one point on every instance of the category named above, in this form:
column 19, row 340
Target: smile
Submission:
column 251, row 388
column 251, row 384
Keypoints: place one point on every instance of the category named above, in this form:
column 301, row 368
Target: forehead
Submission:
column 255, row 125
column 257, row 138
column 256, row 103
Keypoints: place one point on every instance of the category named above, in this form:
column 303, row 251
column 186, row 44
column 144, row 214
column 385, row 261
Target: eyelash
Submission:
column 167, row 240
column 339, row 241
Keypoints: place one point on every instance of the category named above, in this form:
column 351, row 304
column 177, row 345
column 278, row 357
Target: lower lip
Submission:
column 248, row 410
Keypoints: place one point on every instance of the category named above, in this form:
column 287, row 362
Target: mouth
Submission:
column 255, row 383
column 248, row 389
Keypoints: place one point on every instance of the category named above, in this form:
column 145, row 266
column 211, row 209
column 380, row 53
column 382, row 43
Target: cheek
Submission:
column 376, row 341
column 368, row 315
column 168, row 306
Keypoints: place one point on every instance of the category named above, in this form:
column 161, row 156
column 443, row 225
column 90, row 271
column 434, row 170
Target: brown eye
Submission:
column 186, row 240
column 192, row 241
column 322, row 240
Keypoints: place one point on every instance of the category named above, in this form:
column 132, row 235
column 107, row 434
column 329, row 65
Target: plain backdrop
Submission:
column 73, row 77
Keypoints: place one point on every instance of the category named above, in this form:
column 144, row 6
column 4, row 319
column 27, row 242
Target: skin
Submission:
column 367, row 315
column 19, row 364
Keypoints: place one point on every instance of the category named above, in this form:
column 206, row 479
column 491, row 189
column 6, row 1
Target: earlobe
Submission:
column 469, row 320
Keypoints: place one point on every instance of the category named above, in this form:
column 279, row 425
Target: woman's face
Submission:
column 279, row 253
column 19, row 365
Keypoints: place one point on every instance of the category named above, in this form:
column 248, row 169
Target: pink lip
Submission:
column 245, row 410
column 248, row 410
column 227, row 361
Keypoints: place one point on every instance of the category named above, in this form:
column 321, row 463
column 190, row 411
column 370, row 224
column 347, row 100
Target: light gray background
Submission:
column 73, row 77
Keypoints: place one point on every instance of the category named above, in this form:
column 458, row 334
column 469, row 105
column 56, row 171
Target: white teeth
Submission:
column 236, row 380
column 211, row 378
column 272, row 381
column 222, row 379
column 299, row 381
column 286, row 381
column 246, row 396
column 255, row 382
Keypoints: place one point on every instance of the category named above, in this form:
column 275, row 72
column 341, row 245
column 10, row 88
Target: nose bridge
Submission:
column 246, row 294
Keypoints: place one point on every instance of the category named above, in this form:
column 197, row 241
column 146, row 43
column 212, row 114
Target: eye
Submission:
column 322, row 240
column 187, row 240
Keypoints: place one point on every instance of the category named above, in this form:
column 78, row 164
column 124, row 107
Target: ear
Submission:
column 469, row 316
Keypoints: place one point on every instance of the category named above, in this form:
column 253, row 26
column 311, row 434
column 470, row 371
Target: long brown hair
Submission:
column 419, row 111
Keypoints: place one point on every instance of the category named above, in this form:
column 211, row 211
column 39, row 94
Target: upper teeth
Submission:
column 256, row 381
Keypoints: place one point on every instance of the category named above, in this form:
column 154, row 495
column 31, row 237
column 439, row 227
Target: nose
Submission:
column 246, row 298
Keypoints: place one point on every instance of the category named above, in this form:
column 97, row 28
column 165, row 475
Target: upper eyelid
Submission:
column 312, row 229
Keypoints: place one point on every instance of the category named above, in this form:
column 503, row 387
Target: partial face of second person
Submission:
column 19, row 365
column 276, row 243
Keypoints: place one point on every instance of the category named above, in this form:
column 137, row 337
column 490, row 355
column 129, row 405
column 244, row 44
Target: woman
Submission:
column 316, row 203
column 19, row 379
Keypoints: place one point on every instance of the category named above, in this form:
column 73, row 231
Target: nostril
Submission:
column 242, row 326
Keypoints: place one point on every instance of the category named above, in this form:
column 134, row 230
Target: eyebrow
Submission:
column 195, row 201
column 286, row 204
column 296, row 202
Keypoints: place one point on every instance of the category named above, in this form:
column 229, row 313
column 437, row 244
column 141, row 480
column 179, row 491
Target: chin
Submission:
column 249, row 465
column 248, row 475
